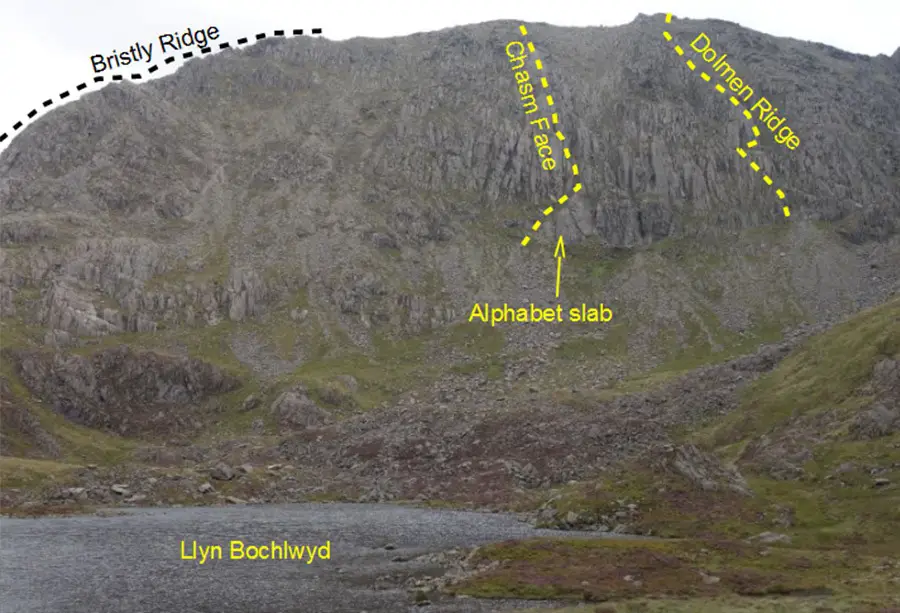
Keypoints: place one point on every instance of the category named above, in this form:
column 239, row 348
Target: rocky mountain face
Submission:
column 386, row 180
column 290, row 233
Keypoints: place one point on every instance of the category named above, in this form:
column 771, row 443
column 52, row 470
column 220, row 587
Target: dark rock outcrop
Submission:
column 121, row 390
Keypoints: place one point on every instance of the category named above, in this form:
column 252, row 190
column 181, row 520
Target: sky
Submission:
column 46, row 45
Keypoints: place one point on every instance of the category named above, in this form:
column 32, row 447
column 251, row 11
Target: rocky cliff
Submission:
column 386, row 181
column 305, row 209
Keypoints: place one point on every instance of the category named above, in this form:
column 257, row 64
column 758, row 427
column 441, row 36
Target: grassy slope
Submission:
column 841, row 531
column 686, row 575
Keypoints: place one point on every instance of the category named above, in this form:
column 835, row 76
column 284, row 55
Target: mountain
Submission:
column 385, row 179
column 271, row 258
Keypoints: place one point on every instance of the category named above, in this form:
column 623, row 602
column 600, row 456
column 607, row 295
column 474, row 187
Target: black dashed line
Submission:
column 138, row 76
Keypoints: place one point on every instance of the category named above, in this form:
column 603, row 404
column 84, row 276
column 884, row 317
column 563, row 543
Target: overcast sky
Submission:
column 46, row 45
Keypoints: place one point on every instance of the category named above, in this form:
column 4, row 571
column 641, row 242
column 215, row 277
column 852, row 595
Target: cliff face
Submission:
column 324, row 194
column 394, row 119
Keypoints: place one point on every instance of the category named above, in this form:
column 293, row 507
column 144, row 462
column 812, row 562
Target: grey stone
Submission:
column 770, row 538
column 221, row 472
column 250, row 402
column 294, row 408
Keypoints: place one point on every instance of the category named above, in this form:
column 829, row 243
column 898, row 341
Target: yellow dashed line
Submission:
column 559, row 134
column 719, row 88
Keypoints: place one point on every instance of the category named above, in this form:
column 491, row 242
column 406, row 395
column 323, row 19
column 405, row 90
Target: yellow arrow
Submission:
column 560, row 254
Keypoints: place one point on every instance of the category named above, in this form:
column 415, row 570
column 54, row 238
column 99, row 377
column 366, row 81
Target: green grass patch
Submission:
column 23, row 472
column 590, row 265
column 613, row 344
column 885, row 603
column 707, row 342
column 476, row 340
column 598, row 570
column 667, row 506
column 846, row 512
column 822, row 374
column 394, row 367
column 15, row 333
